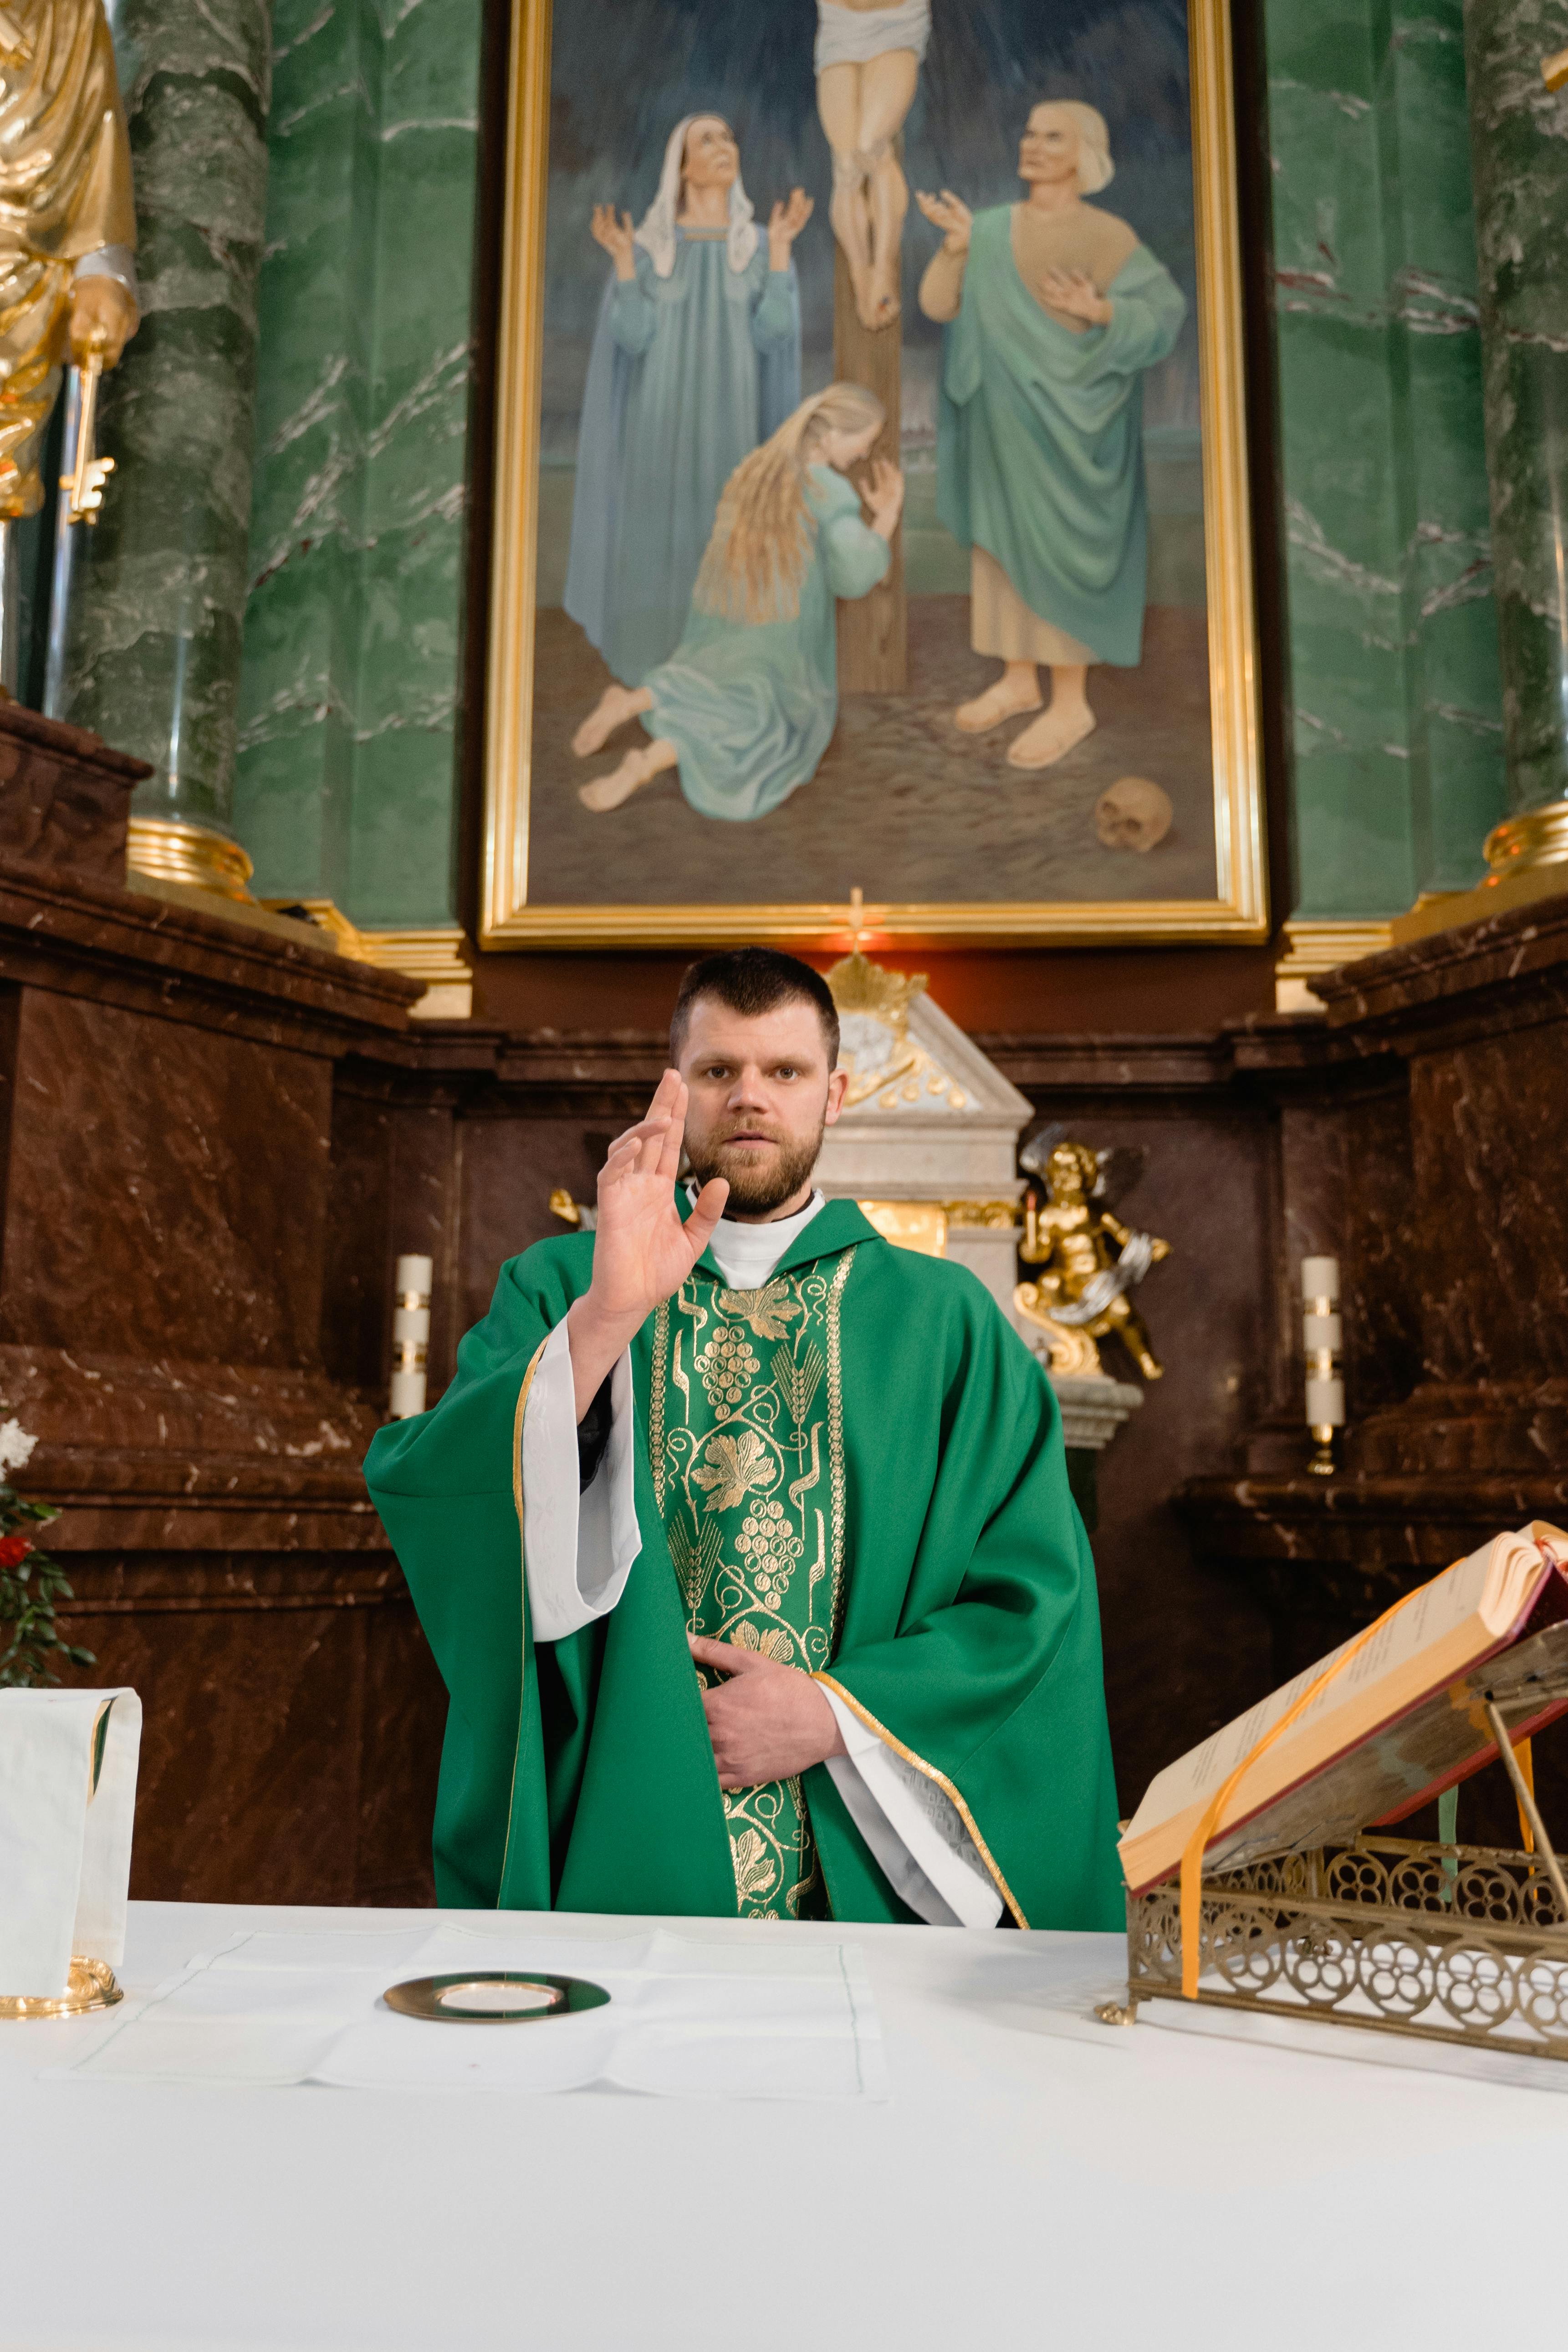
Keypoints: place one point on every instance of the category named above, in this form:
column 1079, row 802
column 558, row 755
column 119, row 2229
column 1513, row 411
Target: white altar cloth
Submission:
column 774, row 2017
column 1020, row 2186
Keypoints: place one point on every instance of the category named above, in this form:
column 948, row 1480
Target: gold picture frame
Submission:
column 1238, row 914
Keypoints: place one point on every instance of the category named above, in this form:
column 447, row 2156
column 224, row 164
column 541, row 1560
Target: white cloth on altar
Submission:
column 66, row 1819
column 580, row 1549
column 686, row 2019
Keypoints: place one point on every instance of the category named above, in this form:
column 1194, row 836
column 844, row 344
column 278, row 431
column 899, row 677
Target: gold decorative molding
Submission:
column 874, row 1047
column 984, row 1216
column 1319, row 946
column 434, row 954
column 1537, row 836
column 169, row 850
column 1239, row 912
column 918, row 1225
column 1527, row 855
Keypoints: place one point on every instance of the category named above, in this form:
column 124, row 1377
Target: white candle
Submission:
column 411, row 1334
column 1322, row 1336
column 1321, row 1278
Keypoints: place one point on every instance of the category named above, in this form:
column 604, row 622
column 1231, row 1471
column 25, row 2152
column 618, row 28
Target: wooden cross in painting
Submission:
column 868, row 69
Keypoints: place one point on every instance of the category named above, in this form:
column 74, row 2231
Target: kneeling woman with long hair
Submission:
column 745, row 706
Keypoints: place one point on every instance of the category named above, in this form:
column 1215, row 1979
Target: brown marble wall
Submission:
column 205, row 1158
column 169, row 1200
column 214, row 1144
column 1431, row 1165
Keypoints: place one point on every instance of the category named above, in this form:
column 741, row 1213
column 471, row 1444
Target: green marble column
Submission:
column 1392, row 637
column 161, row 582
column 349, row 718
column 1519, row 142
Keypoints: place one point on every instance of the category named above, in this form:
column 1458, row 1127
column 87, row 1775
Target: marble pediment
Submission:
column 928, row 1116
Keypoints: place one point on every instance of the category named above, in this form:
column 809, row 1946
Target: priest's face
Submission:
column 761, row 1094
column 712, row 159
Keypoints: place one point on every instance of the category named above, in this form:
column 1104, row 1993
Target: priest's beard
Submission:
column 758, row 1182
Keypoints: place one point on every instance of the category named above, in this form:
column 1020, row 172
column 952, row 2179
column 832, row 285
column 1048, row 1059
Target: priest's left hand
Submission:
column 767, row 1722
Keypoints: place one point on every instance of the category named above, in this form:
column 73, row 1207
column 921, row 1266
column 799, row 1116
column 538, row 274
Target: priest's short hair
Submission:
column 753, row 980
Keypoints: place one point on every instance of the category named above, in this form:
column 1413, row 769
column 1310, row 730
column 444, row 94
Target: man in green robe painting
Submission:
column 765, row 1444
column 1054, row 309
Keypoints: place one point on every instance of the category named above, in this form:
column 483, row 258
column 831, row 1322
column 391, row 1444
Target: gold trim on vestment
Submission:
column 942, row 1782
column 656, row 1400
column 836, row 1445
column 521, row 1594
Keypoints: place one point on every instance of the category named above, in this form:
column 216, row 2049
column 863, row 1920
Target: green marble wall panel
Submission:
column 1520, row 144
column 348, row 751
column 1397, row 723
column 159, row 593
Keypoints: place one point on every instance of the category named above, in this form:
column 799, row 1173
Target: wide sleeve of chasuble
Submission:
column 578, row 1774
column 970, row 1635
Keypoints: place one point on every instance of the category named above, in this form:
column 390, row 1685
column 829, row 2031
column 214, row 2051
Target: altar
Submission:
column 1017, row 2184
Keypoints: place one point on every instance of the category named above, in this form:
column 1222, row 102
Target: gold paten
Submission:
column 1467, row 1944
column 1081, row 1248
column 1240, row 911
column 1554, row 70
column 171, row 849
column 437, row 1999
column 90, row 1985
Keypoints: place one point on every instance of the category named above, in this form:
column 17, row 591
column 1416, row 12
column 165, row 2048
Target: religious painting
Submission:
column 871, row 540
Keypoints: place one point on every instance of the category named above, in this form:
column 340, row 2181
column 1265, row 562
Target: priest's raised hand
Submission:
column 643, row 1251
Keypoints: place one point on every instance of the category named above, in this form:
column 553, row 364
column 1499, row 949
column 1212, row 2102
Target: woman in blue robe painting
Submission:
column 696, row 360
column 746, row 705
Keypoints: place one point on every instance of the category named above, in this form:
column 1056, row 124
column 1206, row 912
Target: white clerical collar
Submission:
column 746, row 1255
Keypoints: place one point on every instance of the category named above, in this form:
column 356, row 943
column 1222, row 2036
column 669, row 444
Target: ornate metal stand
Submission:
column 1460, row 1944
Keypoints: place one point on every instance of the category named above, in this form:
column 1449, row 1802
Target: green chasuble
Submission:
column 858, row 1469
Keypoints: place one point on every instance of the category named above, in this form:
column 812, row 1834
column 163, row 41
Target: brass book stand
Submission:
column 1467, row 1944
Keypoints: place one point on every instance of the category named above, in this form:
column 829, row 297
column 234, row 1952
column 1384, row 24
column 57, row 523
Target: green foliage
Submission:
column 30, row 1586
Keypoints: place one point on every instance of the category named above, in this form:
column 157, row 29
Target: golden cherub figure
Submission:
column 1091, row 1261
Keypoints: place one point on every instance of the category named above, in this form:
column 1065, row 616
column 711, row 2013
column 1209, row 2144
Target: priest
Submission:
column 744, row 1540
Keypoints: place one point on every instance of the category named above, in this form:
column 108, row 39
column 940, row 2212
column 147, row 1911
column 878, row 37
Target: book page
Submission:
column 1430, row 1614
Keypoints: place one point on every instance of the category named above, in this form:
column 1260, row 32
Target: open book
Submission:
column 1402, row 1720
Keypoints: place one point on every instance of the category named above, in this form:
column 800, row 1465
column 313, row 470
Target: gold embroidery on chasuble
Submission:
column 746, row 1427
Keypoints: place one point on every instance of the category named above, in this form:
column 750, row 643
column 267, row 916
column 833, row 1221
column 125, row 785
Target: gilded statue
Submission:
column 1088, row 1262
column 67, row 224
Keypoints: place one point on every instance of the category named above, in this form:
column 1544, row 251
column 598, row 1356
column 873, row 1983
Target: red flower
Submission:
column 14, row 1551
